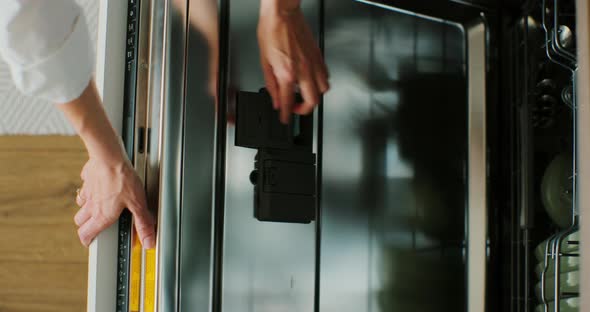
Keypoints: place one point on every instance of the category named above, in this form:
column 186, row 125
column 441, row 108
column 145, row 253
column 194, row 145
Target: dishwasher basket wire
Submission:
column 554, row 250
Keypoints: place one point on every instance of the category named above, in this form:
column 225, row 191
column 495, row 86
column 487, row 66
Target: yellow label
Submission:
column 150, row 281
column 135, row 272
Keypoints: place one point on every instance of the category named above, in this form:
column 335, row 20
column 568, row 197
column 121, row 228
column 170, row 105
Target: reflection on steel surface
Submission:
column 395, row 154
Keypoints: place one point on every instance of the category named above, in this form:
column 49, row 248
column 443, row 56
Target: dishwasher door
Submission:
column 403, row 178
column 401, row 147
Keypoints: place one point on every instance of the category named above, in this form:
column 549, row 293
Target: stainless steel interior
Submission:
column 395, row 147
column 394, row 201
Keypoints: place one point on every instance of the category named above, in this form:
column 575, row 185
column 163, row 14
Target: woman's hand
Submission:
column 108, row 189
column 110, row 182
column 290, row 57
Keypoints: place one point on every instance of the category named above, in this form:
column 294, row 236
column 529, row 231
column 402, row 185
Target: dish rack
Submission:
column 554, row 251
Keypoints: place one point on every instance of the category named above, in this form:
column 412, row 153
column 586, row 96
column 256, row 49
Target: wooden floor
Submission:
column 43, row 267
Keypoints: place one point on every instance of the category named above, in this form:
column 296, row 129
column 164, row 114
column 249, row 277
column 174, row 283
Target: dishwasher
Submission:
column 441, row 172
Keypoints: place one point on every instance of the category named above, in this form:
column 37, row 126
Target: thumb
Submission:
column 145, row 226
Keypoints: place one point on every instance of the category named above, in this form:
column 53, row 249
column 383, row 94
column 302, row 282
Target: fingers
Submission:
column 285, row 77
column 281, row 77
column 82, row 216
column 83, row 213
column 84, row 172
column 91, row 228
column 310, row 94
column 321, row 73
column 91, row 225
column 81, row 197
column 313, row 81
column 291, row 57
column 144, row 225
column 271, row 83
column 80, row 201
column 284, row 71
column 108, row 189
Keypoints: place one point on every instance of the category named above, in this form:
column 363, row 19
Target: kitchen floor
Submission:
column 43, row 267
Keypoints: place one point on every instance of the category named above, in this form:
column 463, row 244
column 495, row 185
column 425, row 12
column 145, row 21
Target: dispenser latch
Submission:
column 284, row 175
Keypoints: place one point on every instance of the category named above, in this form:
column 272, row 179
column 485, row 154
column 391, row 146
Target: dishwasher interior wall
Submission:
column 394, row 176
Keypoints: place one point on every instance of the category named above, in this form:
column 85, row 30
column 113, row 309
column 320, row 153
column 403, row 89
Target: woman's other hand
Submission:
column 290, row 57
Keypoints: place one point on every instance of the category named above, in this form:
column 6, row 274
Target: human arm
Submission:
column 46, row 45
column 110, row 182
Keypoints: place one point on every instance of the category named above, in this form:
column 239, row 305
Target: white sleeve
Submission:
column 46, row 45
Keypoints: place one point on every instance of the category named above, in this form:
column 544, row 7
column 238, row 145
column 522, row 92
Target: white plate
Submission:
column 565, row 305
column 556, row 190
column 569, row 283
column 566, row 264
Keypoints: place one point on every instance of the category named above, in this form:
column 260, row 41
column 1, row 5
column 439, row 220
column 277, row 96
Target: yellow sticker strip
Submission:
column 135, row 272
column 150, row 281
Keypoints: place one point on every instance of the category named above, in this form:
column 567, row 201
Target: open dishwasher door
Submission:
column 396, row 155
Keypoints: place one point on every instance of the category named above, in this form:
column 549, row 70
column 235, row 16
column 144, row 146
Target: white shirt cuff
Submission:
column 62, row 76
